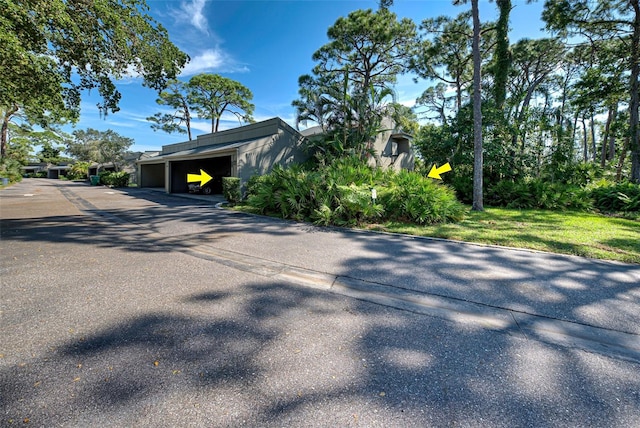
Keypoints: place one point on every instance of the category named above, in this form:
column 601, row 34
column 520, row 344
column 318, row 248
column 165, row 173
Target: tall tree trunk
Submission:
column 623, row 157
column 4, row 131
column 575, row 128
column 634, row 103
column 594, row 152
column 607, row 130
column 585, row 140
column 502, row 57
column 187, row 117
column 478, row 163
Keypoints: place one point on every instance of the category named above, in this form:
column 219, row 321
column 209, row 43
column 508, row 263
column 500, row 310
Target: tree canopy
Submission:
column 52, row 50
column 207, row 95
column 370, row 47
column 211, row 95
column 175, row 97
column 92, row 145
column 349, row 90
column 598, row 22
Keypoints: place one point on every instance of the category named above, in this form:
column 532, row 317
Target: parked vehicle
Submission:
column 196, row 188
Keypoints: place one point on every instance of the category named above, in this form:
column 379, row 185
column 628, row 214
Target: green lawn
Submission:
column 569, row 232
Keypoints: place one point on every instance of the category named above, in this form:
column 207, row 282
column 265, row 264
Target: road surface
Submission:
column 136, row 308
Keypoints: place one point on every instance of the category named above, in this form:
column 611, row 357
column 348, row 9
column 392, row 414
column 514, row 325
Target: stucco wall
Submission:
column 392, row 149
column 259, row 157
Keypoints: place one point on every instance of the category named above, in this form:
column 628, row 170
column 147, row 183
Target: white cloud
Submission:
column 193, row 10
column 212, row 60
column 208, row 60
column 201, row 126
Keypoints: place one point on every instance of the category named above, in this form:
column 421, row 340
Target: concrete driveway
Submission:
column 123, row 308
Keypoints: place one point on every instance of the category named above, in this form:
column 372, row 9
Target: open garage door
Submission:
column 217, row 168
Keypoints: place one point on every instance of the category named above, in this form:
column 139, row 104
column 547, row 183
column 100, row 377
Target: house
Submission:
column 57, row 171
column 392, row 147
column 247, row 151
column 240, row 152
column 34, row 168
column 129, row 164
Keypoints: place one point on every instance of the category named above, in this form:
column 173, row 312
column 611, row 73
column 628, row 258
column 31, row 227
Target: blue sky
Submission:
column 265, row 45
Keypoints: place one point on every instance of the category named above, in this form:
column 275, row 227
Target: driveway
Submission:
column 134, row 307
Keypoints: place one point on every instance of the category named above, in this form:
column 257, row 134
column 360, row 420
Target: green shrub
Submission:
column 341, row 194
column 616, row 197
column 78, row 171
column 538, row 194
column 231, row 189
column 421, row 200
column 11, row 169
column 114, row 179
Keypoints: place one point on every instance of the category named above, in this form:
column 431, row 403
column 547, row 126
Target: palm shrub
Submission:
column 340, row 194
column 353, row 205
column 285, row 192
column 412, row 197
column 616, row 197
column 79, row 171
column 538, row 194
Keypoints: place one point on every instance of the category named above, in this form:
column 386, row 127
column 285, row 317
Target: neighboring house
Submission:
column 250, row 150
column 130, row 164
column 34, row 168
column 57, row 171
column 393, row 148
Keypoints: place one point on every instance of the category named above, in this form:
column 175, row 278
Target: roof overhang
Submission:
column 197, row 153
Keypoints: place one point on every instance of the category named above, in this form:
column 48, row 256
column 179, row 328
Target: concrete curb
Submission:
column 590, row 338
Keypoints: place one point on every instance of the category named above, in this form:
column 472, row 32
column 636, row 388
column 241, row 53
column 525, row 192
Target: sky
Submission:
column 266, row 45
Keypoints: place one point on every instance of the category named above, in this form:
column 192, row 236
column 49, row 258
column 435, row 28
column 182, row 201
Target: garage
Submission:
column 216, row 167
column 152, row 175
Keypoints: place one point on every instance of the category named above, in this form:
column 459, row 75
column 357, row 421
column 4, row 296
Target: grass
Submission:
column 569, row 232
column 566, row 232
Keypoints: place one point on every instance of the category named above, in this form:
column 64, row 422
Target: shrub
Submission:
column 411, row 196
column 538, row 194
column 611, row 197
column 11, row 169
column 341, row 194
column 114, row 179
column 231, row 189
column 78, row 171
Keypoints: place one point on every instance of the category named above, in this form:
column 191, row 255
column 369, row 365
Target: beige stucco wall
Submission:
column 259, row 157
column 392, row 151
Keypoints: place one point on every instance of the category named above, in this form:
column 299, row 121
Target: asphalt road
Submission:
column 135, row 308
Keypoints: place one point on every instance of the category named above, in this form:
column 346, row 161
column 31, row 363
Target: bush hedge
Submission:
column 603, row 196
column 538, row 194
column 231, row 190
column 341, row 194
column 11, row 170
column 616, row 197
column 114, row 179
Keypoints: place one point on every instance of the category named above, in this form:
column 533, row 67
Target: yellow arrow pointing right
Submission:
column 435, row 172
column 203, row 178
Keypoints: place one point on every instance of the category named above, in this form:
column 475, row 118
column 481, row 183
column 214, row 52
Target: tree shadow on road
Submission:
column 272, row 354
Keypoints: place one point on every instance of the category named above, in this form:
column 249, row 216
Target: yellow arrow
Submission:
column 203, row 178
column 435, row 172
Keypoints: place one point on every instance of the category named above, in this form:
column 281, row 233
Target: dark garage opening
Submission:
column 216, row 167
column 152, row 175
